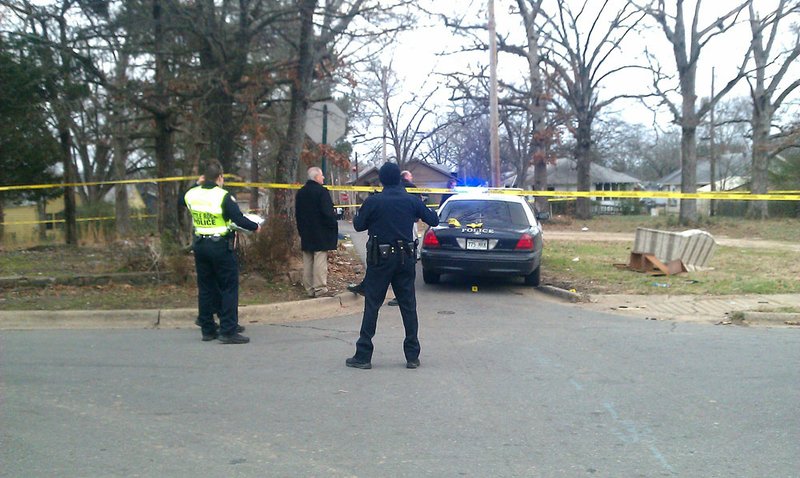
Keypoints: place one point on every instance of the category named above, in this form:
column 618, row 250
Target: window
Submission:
column 489, row 213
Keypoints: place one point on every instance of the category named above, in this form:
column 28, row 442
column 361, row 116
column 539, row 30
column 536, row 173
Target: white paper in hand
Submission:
column 253, row 217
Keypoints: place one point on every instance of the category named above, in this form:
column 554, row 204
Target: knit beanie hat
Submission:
column 389, row 174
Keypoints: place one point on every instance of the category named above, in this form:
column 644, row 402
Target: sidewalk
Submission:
column 722, row 310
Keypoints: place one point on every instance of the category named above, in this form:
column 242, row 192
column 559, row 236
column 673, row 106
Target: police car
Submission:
column 484, row 234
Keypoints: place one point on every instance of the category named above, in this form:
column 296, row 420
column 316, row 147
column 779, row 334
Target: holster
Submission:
column 384, row 250
column 372, row 251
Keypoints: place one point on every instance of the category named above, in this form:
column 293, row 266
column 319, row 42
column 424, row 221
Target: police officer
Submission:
column 391, row 259
column 213, row 210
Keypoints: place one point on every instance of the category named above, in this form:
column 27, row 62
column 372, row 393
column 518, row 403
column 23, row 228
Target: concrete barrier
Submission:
column 694, row 247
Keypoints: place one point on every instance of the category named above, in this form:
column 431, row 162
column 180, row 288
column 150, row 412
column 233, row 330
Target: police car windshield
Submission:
column 487, row 212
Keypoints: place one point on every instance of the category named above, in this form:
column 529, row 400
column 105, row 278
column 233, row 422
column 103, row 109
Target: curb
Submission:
column 279, row 313
column 776, row 318
column 561, row 293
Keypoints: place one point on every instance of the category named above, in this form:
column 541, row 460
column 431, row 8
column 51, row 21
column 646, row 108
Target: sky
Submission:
column 416, row 57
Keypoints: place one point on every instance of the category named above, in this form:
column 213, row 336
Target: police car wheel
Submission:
column 430, row 277
column 534, row 278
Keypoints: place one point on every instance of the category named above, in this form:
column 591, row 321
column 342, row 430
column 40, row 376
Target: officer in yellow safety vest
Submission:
column 213, row 210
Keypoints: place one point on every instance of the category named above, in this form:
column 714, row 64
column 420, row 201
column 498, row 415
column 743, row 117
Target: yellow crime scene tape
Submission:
column 79, row 219
column 554, row 196
column 740, row 196
column 793, row 195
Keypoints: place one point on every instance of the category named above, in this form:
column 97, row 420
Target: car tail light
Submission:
column 525, row 242
column 430, row 239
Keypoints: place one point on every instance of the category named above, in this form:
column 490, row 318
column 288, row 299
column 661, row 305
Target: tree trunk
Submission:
column 536, row 108
column 254, row 171
column 583, row 157
column 41, row 216
column 222, row 128
column 122, row 210
column 122, row 213
column 168, row 226
column 2, row 221
column 70, row 222
column 760, row 180
column 289, row 153
column 689, row 122
column 688, row 210
column 540, row 179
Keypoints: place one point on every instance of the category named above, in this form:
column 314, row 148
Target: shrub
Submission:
column 270, row 253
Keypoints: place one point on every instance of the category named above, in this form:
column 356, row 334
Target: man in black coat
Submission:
column 318, row 229
column 389, row 217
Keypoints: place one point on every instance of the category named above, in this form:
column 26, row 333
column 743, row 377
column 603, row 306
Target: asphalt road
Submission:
column 511, row 384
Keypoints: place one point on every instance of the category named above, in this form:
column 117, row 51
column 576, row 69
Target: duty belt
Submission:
column 212, row 237
column 401, row 248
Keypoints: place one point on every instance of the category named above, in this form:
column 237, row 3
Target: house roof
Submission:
column 369, row 176
column 565, row 173
column 732, row 164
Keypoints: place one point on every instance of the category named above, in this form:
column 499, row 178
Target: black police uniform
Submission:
column 389, row 217
column 218, row 273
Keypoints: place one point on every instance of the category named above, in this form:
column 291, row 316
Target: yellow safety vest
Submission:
column 206, row 207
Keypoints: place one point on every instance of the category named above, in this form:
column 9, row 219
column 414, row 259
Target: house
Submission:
column 563, row 176
column 23, row 219
column 732, row 173
column 425, row 176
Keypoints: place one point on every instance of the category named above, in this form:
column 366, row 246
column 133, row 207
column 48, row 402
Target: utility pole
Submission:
column 494, row 140
column 324, row 137
column 712, row 156
column 384, row 105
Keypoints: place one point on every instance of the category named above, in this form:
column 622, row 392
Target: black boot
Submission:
column 233, row 339
column 356, row 288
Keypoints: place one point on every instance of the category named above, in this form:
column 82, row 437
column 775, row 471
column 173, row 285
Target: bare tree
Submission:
column 409, row 123
column 687, row 44
column 315, row 51
column 535, row 151
column 48, row 25
column 582, row 63
column 769, row 91
column 528, row 137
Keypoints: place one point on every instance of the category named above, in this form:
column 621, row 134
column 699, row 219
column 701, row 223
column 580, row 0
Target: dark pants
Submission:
column 217, row 285
column 398, row 270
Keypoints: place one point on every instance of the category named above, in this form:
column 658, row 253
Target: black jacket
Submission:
column 316, row 219
column 390, row 215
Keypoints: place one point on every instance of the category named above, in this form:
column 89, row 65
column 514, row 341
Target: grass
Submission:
column 782, row 229
column 736, row 270
column 252, row 290
column 62, row 261
column 57, row 261
column 589, row 267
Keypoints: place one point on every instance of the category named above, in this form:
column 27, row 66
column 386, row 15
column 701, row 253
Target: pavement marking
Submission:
column 633, row 435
